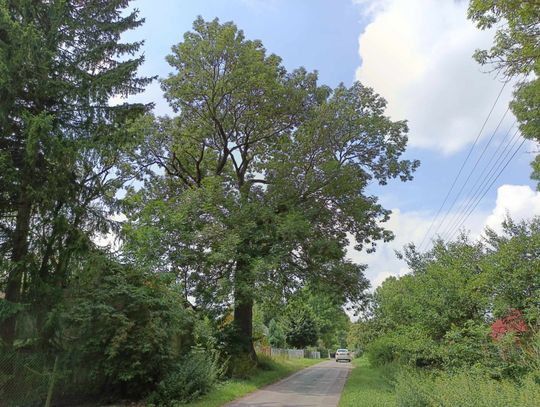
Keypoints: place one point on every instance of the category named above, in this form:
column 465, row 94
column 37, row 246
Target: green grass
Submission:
column 367, row 386
column 234, row 389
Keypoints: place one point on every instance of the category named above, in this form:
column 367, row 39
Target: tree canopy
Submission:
column 60, row 138
column 440, row 314
column 515, row 53
column 261, row 176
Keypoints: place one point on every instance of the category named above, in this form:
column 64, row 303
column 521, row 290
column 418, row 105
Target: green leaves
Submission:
column 516, row 53
column 511, row 269
column 276, row 334
column 300, row 328
column 61, row 141
column 122, row 324
column 440, row 315
column 516, row 43
column 251, row 190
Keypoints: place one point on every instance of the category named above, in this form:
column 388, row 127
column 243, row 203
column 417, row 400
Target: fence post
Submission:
column 51, row 383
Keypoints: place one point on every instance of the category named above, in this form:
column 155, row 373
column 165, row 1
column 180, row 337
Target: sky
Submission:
column 417, row 54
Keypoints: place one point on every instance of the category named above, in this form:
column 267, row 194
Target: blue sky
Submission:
column 416, row 53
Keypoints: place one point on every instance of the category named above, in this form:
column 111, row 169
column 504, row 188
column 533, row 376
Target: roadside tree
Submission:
column 60, row 140
column 515, row 53
column 255, row 185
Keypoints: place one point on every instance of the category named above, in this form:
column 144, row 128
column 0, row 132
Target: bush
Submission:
column 469, row 345
column 382, row 351
column 413, row 389
column 124, row 328
column 23, row 377
column 193, row 376
column 464, row 389
column 265, row 362
column 301, row 329
column 241, row 366
column 276, row 335
column 230, row 346
column 409, row 346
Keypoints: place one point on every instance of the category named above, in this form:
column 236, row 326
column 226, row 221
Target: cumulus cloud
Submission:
column 418, row 55
column 518, row 201
column 383, row 263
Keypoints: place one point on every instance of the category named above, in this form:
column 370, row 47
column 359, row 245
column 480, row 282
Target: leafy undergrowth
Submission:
column 464, row 389
column 391, row 386
column 274, row 369
column 367, row 386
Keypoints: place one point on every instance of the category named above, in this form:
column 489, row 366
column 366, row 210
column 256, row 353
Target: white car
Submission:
column 343, row 354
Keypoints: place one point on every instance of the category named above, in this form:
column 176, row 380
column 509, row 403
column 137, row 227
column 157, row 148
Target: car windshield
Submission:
column 342, row 350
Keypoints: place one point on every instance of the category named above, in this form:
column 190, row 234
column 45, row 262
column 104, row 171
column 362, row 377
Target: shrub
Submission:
column 265, row 362
column 190, row 378
column 382, row 351
column 301, row 329
column 409, row 346
column 469, row 345
column 241, row 366
column 276, row 335
column 413, row 389
column 464, row 389
column 125, row 328
column 204, row 333
column 230, row 347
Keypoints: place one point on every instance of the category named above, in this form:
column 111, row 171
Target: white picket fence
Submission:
column 312, row 355
column 294, row 353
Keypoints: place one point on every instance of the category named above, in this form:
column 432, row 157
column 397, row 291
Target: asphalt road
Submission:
column 319, row 385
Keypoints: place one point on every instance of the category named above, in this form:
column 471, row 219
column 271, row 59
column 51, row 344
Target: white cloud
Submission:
column 418, row 55
column 383, row 263
column 518, row 201
column 151, row 94
column 110, row 239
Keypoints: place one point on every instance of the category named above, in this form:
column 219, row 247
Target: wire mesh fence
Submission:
column 25, row 378
column 29, row 378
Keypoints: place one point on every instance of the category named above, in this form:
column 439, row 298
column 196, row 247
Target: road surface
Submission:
column 319, row 385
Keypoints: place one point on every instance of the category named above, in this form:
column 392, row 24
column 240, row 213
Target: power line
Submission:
column 464, row 206
column 491, row 173
column 490, row 177
column 462, row 166
column 471, row 172
column 486, row 190
column 470, row 200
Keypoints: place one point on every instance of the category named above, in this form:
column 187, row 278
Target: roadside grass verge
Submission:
column 367, row 386
column 234, row 389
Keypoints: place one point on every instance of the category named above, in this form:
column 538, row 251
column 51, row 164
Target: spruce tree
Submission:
column 61, row 61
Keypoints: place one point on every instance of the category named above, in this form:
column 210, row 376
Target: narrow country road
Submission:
column 319, row 385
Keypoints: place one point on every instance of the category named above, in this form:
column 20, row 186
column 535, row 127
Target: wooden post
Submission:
column 51, row 383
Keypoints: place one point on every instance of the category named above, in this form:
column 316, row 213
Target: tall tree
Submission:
column 511, row 268
column 301, row 328
column 254, row 186
column 276, row 335
column 60, row 63
column 515, row 52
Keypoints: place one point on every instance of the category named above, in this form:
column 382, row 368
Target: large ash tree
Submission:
column 252, row 189
column 60, row 140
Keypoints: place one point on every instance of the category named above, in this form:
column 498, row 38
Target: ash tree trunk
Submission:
column 243, row 311
column 254, row 185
